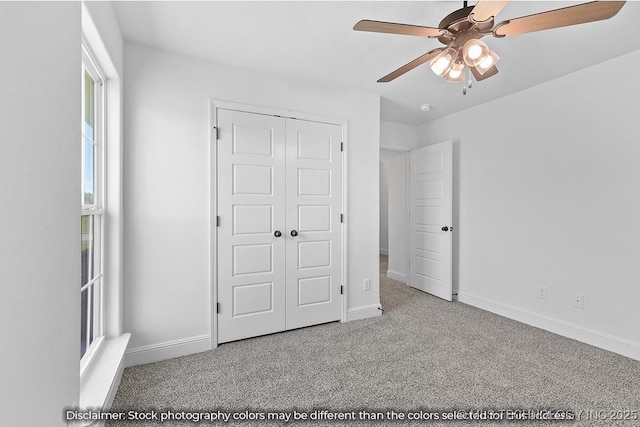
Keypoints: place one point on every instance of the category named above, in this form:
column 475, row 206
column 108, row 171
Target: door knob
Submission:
column 277, row 233
column 294, row 233
column 445, row 228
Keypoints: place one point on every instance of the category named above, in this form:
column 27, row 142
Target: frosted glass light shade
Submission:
column 474, row 51
column 456, row 73
column 488, row 62
column 442, row 63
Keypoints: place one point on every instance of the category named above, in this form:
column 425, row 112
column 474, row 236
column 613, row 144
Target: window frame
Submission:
column 95, row 281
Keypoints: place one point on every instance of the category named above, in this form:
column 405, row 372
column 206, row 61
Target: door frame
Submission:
column 215, row 105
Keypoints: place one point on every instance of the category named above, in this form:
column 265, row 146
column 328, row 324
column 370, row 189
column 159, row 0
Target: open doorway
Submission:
column 394, row 214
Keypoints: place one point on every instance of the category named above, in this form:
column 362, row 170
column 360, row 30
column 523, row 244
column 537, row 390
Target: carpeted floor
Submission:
column 423, row 355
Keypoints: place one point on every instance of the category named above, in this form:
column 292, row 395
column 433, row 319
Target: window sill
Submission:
column 100, row 383
column 87, row 360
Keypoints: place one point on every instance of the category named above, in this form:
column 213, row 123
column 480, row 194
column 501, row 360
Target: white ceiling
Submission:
column 314, row 41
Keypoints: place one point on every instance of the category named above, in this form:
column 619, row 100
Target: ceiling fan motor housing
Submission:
column 458, row 24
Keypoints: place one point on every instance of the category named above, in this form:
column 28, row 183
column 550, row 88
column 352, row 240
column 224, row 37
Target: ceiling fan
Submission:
column 461, row 31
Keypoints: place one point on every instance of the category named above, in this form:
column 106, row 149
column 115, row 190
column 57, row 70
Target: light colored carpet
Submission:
column 422, row 354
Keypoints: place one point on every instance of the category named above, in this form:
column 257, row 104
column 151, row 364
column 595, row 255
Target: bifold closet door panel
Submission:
column 314, row 205
column 251, row 206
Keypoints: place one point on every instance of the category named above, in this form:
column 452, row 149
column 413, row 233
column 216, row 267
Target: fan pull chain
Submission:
column 469, row 82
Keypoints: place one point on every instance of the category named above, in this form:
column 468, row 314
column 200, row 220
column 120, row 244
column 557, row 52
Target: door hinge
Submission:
column 217, row 308
column 341, row 289
column 217, row 131
column 341, row 217
column 218, row 221
column 342, row 146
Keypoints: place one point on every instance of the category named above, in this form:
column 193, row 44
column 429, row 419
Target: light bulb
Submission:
column 474, row 51
column 456, row 73
column 487, row 62
column 442, row 63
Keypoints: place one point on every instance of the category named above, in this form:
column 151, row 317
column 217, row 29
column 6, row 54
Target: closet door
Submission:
column 314, row 205
column 251, row 207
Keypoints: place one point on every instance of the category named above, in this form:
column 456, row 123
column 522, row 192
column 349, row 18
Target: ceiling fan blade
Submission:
column 411, row 65
column 393, row 28
column 572, row 15
column 485, row 10
column 489, row 73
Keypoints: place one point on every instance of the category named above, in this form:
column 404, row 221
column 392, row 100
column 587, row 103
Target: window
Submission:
column 92, row 220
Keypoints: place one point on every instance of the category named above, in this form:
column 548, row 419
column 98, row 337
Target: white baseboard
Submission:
column 560, row 327
column 167, row 350
column 393, row 275
column 364, row 312
column 384, row 251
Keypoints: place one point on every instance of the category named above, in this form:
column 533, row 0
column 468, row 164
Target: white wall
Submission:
column 398, row 136
column 106, row 28
column 167, row 194
column 548, row 196
column 39, row 211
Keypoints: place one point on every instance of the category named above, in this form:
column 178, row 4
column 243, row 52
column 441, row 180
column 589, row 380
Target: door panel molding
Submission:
column 327, row 287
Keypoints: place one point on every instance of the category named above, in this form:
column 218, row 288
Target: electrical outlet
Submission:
column 578, row 301
column 542, row 292
column 366, row 285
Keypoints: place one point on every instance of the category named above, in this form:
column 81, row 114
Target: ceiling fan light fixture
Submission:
column 474, row 51
column 488, row 62
column 442, row 63
column 462, row 29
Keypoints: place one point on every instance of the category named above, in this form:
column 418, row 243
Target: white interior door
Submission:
column 279, row 239
column 251, row 208
column 431, row 197
column 314, row 205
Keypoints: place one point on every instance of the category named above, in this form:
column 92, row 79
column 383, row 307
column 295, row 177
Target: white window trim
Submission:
column 99, row 133
column 99, row 380
column 97, row 281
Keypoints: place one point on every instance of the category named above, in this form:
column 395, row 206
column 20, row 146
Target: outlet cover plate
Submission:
column 542, row 292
